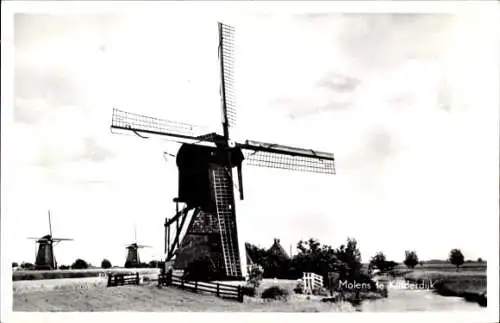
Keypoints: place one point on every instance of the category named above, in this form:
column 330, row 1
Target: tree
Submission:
column 15, row 264
column 411, row 259
column 348, row 260
column 456, row 258
column 379, row 261
column 313, row 257
column 480, row 260
column 27, row 265
column 105, row 264
column 79, row 264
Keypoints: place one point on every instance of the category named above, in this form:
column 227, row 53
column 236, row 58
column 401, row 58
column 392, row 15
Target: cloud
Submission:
column 38, row 92
column 339, row 83
column 378, row 41
column 54, row 135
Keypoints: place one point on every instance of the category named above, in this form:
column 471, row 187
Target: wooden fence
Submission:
column 220, row 290
column 117, row 279
column 312, row 281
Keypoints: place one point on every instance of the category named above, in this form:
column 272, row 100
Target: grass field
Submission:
column 149, row 297
column 90, row 294
column 444, row 267
column 75, row 273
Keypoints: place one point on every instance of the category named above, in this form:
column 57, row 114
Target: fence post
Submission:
column 240, row 294
column 168, row 278
column 109, row 280
column 182, row 282
column 218, row 289
column 196, row 286
column 137, row 278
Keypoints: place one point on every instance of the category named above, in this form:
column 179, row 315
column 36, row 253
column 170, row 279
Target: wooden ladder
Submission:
column 224, row 200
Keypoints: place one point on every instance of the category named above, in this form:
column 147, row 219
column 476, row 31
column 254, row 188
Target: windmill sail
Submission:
column 144, row 125
column 279, row 156
column 226, row 59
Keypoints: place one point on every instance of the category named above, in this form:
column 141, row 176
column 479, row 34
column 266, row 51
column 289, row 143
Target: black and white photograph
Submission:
column 186, row 156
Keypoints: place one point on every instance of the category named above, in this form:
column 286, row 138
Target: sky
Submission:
column 402, row 100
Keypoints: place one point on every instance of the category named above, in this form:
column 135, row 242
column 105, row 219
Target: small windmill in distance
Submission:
column 44, row 257
column 133, row 260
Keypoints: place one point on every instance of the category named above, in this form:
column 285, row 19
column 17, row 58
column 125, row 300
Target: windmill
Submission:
column 206, row 225
column 133, row 259
column 44, row 257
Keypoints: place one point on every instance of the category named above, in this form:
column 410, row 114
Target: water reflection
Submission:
column 402, row 299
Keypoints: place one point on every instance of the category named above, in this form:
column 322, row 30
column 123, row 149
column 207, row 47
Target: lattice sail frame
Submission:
column 297, row 163
column 226, row 57
column 143, row 124
column 286, row 157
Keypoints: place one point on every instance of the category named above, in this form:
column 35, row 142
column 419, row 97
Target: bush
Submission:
column 299, row 289
column 255, row 275
column 320, row 291
column 79, row 264
column 15, row 264
column 105, row 264
column 380, row 262
column 64, row 267
column 249, row 290
column 275, row 293
column 27, row 265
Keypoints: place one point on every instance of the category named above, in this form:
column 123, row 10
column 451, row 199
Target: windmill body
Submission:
column 133, row 260
column 45, row 258
column 206, row 227
column 45, row 255
column 196, row 165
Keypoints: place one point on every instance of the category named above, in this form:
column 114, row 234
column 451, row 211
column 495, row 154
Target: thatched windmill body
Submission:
column 206, row 227
column 44, row 257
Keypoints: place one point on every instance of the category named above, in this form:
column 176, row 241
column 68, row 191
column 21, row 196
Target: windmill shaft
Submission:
column 155, row 132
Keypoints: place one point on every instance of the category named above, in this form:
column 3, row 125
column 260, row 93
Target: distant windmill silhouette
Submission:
column 133, row 259
column 44, row 257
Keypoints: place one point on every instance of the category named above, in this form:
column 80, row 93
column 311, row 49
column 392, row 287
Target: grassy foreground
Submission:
column 471, row 285
column 151, row 298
